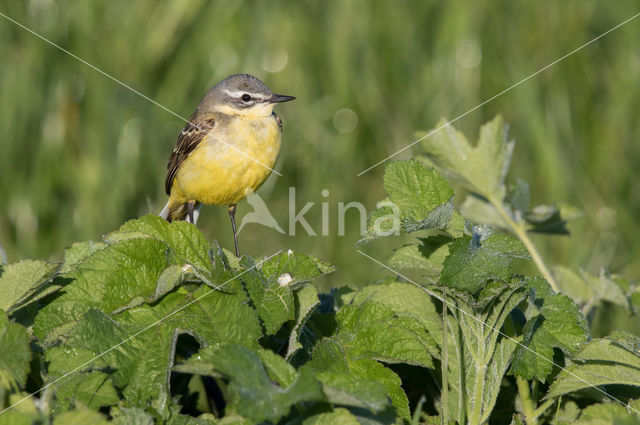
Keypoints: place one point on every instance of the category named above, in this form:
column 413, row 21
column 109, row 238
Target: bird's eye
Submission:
column 246, row 97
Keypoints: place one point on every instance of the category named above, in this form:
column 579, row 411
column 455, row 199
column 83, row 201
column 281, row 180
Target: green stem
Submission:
column 588, row 307
column 528, row 404
column 478, row 393
column 415, row 419
column 475, row 418
column 521, row 233
column 543, row 407
column 444, row 399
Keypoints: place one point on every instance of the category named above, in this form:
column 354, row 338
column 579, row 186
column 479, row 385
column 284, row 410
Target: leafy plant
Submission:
column 155, row 325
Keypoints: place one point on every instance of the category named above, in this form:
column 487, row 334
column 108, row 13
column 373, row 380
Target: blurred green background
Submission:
column 80, row 154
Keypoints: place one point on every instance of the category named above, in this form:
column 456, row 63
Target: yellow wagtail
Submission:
column 226, row 150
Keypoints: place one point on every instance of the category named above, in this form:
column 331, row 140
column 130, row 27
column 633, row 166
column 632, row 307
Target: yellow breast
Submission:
column 233, row 161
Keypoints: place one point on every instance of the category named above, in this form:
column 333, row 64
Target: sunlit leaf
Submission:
column 605, row 361
column 473, row 261
column 24, row 282
column 15, row 354
column 428, row 256
column 555, row 322
column 481, row 168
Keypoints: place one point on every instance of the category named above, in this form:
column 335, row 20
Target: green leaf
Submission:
column 306, row 302
column 339, row 416
column 204, row 419
column 80, row 417
column 142, row 340
column 613, row 290
column 137, row 268
column 478, row 210
column 473, row 261
column 78, row 252
column 428, row 256
column 519, row 195
column 23, row 282
column 419, row 198
column 421, row 194
column 567, row 412
column 415, row 189
column 251, row 391
column 386, row 377
column 373, row 330
column 551, row 219
column 354, row 391
column 169, row 279
column 405, row 300
column 611, row 360
column 383, row 221
column 112, row 279
column 93, row 390
column 23, row 412
column 480, row 169
column 457, row 226
column 299, row 267
column 15, row 354
column 610, row 413
column 128, row 273
column 573, row 284
column 357, row 383
column 393, row 322
column 278, row 370
column 483, row 382
column 496, row 301
column 542, row 219
column 273, row 301
column 187, row 244
column 271, row 285
column 479, row 355
column 131, row 416
column 328, row 355
column 586, row 288
column 555, row 322
column 233, row 419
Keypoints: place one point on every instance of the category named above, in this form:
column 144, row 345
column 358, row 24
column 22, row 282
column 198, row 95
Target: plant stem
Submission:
column 521, row 233
column 528, row 404
column 543, row 407
column 415, row 419
column 475, row 417
column 478, row 393
column 589, row 306
column 444, row 399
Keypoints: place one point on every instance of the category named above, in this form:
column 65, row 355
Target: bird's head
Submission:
column 241, row 94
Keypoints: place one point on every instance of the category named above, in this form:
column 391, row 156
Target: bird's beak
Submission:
column 279, row 98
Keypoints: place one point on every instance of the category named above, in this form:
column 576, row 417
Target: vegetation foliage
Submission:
column 155, row 325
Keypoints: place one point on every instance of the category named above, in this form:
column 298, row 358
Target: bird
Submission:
column 226, row 150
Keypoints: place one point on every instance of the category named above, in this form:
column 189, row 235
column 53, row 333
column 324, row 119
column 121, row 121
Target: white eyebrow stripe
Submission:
column 239, row 93
column 234, row 93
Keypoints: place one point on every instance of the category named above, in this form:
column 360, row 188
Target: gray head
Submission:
column 241, row 94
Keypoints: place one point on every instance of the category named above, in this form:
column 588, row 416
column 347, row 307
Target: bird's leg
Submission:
column 190, row 206
column 232, row 215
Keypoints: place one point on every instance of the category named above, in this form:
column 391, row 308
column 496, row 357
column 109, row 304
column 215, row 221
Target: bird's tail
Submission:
column 175, row 212
column 166, row 211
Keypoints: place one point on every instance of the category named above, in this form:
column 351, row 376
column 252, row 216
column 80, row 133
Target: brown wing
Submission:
column 190, row 137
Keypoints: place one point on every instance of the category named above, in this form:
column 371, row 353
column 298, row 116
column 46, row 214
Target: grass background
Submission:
column 80, row 154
